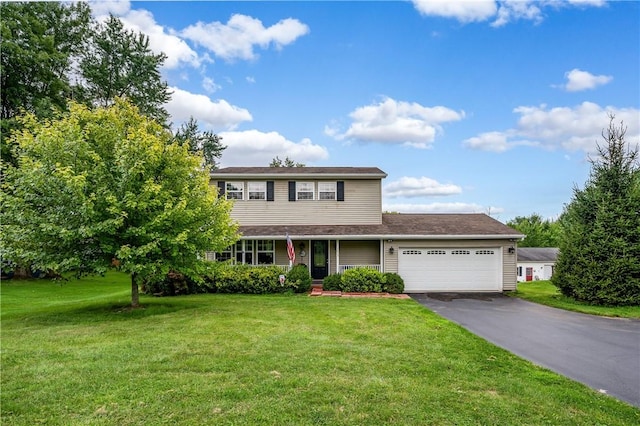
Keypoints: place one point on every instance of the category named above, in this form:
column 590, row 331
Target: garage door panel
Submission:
column 463, row 269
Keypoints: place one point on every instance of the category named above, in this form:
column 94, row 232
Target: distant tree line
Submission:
column 539, row 232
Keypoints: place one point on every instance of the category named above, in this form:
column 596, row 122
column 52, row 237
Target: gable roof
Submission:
column 537, row 254
column 396, row 226
column 303, row 172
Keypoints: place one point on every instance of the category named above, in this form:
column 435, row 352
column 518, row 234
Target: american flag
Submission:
column 290, row 250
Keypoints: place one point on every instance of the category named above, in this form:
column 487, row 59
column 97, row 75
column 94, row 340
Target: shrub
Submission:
column 393, row 283
column 332, row 282
column 249, row 280
column 299, row 278
column 173, row 284
column 362, row 280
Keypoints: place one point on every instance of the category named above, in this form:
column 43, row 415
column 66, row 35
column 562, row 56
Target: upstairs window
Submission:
column 327, row 190
column 257, row 190
column 235, row 191
column 304, row 190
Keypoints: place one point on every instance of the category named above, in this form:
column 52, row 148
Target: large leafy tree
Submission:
column 96, row 185
column 39, row 43
column 539, row 232
column 119, row 63
column 599, row 259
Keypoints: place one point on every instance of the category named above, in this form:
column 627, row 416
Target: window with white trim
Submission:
column 304, row 190
column 235, row 190
column 257, row 190
column 327, row 190
column 244, row 252
column 224, row 255
column 265, row 250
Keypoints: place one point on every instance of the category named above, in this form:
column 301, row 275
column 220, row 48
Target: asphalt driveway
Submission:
column 603, row 353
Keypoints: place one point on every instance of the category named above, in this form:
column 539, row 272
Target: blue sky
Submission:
column 474, row 106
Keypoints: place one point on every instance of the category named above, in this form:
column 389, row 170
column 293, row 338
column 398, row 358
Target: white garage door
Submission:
column 447, row 269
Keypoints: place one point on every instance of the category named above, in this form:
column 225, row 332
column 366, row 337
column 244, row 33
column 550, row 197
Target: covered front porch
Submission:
column 322, row 256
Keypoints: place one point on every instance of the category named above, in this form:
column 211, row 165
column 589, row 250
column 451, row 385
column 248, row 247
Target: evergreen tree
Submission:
column 599, row 259
column 205, row 143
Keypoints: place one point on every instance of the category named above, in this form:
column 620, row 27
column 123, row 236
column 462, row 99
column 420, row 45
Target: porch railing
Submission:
column 343, row 268
column 285, row 268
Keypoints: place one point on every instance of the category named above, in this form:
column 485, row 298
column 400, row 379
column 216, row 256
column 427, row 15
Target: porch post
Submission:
column 337, row 255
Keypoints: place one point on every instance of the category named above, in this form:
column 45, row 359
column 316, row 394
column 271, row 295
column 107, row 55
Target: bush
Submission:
column 299, row 278
column 249, row 280
column 173, row 284
column 332, row 282
column 393, row 283
column 363, row 280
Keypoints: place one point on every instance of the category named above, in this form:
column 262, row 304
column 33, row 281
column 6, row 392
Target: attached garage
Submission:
column 451, row 269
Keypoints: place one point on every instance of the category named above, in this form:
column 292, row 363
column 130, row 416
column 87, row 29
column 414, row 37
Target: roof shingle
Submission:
column 393, row 225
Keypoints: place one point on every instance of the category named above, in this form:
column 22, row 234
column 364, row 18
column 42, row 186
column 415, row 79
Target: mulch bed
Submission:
column 319, row 292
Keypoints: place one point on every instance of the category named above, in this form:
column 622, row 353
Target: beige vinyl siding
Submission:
column 509, row 268
column 333, row 262
column 362, row 205
column 360, row 252
column 508, row 260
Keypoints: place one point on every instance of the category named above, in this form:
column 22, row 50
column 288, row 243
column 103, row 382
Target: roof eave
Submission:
column 386, row 237
column 297, row 176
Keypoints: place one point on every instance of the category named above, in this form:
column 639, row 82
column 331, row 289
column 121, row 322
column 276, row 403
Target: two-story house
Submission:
column 333, row 215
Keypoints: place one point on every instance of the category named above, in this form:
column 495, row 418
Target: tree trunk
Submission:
column 135, row 297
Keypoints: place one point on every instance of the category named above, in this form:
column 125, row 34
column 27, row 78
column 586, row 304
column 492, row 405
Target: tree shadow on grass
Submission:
column 104, row 312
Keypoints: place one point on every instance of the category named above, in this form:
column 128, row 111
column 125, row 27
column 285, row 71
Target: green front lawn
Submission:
column 545, row 293
column 73, row 355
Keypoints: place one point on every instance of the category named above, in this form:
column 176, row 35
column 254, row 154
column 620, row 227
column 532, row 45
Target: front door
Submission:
column 319, row 259
column 529, row 274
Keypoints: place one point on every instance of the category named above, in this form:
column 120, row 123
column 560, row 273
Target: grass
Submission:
column 71, row 355
column 545, row 293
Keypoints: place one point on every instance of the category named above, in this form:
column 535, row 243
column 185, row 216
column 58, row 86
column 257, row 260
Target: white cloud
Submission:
column 489, row 141
column 504, row 11
column 419, row 187
column 463, row 11
column 209, row 85
column 211, row 114
column 104, row 8
column 396, row 122
column 256, row 148
column 576, row 128
column 237, row 38
column 250, row 80
column 511, row 10
column 441, row 208
column 578, row 80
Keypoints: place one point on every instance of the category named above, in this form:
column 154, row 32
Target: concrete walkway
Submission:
column 603, row 353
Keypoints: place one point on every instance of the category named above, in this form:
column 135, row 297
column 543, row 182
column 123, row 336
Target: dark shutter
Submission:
column 340, row 187
column 221, row 188
column 292, row 190
column 269, row 190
